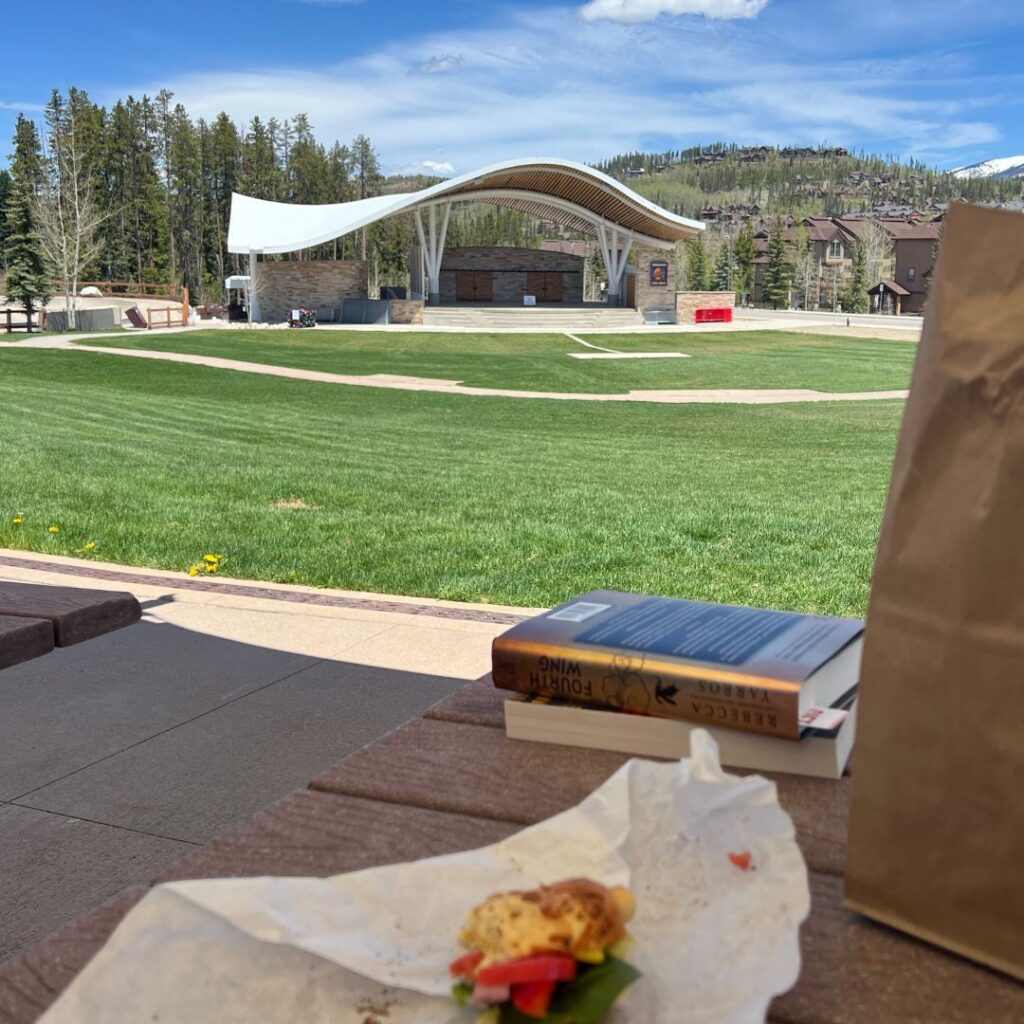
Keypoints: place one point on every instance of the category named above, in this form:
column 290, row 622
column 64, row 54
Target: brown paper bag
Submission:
column 936, row 843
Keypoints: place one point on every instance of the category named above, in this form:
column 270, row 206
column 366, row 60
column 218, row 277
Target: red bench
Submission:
column 717, row 315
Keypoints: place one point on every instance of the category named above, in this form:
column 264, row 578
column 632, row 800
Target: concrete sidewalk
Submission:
column 120, row 755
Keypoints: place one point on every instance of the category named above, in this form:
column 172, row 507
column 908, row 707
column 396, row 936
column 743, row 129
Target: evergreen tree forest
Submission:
column 162, row 183
column 164, row 179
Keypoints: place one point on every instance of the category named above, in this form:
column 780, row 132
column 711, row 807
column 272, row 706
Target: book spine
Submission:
column 627, row 681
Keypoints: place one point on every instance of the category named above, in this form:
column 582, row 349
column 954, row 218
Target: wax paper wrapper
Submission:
column 714, row 942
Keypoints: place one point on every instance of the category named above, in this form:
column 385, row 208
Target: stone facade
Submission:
column 687, row 303
column 654, row 296
column 284, row 285
column 406, row 311
column 508, row 268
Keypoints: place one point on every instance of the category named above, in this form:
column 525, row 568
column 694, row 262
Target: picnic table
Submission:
column 451, row 781
column 35, row 618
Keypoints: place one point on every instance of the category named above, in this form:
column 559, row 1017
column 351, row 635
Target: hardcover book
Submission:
column 821, row 752
column 738, row 668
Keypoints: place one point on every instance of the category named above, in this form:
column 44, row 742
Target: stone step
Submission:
column 532, row 318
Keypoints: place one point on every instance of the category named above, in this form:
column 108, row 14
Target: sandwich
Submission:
column 548, row 954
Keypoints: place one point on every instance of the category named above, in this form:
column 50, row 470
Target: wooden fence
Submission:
column 163, row 316
column 10, row 324
column 169, row 316
column 131, row 289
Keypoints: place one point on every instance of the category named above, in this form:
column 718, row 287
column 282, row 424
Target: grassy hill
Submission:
column 801, row 181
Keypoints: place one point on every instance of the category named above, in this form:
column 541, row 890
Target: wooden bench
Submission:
column 23, row 638
column 432, row 787
column 34, row 619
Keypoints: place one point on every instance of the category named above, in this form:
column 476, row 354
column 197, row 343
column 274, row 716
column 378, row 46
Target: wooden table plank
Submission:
column 22, row 639
column 30, row 983
column 476, row 703
column 858, row 972
column 474, row 770
column 77, row 614
column 320, row 834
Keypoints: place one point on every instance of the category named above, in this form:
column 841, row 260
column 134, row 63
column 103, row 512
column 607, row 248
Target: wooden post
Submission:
column 8, row 312
column 184, row 307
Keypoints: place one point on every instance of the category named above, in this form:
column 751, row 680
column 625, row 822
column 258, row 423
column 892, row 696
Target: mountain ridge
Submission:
column 1000, row 167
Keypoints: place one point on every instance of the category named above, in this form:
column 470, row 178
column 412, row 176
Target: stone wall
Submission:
column 508, row 267
column 284, row 285
column 406, row 311
column 687, row 303
column 652, row 296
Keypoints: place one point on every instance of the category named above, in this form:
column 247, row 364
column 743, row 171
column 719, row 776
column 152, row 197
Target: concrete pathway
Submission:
column 121, row 755
column 720, row 396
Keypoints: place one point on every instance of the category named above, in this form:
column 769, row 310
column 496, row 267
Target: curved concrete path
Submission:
column 720, row 396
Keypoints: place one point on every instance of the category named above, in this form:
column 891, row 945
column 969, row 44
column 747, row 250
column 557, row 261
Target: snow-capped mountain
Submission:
column 1001, row 167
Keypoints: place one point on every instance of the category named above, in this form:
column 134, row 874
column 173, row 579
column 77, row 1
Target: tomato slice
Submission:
column 550, row 967
column 533, row 998
column 741, row 860
column 465, row 965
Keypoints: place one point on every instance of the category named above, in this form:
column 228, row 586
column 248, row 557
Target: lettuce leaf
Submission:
column 585, row 1000
column 461, row 992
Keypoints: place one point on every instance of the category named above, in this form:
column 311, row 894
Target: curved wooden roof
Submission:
column 560, row 190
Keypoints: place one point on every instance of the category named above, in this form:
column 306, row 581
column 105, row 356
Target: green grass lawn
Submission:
column 540, row 362
column 418, row 493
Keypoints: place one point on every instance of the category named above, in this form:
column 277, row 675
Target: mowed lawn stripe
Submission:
column 439, row 495
column 541, row 362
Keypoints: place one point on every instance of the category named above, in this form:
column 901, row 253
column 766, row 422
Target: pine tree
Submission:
column 698, row 268
column 725, row 269
column 746, row 253
column 5, row 188
column 222, row 159
column 259, row 167
column 778, row 273
column 366, row 175
column 27, row 281
column 855, row 299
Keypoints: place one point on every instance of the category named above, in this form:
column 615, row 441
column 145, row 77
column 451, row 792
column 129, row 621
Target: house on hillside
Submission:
column 916, row 249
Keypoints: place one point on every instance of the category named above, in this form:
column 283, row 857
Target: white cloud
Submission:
column 441, row 63
column 432, row 167
column 22, row 107
column 633, row 11
column 543, row 82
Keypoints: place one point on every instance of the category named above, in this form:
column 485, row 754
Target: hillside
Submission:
column 727, row 183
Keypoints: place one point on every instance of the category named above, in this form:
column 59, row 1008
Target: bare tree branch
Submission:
column 67, row 213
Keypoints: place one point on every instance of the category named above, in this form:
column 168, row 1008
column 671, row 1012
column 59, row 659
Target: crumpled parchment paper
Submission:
column 714, row 943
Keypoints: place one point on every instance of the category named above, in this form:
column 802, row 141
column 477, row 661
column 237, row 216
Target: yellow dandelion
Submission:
column 90, row 545
column 213, row 567
column 18, row 520
column 193, row 570
column 54, row 529
column 212, row 559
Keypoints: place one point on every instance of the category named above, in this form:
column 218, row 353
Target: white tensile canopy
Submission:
column 569, row 193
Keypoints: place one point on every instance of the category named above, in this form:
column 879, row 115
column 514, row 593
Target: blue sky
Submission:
column 448, row 86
